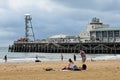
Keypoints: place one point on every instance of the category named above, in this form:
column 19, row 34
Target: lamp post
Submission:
column 79, row 38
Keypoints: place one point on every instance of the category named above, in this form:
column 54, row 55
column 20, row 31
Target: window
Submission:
column 104, row 33
column 110, row 33
column 116, row 33
column 98, row 34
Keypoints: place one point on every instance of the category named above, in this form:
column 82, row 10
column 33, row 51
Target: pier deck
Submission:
column 89, row 47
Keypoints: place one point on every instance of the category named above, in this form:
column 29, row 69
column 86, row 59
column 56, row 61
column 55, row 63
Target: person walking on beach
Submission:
column 83, row 55
column 74, row 57
column 61, row 57
column 5, row 58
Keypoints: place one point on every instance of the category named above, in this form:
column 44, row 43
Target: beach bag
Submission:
column 48, row 69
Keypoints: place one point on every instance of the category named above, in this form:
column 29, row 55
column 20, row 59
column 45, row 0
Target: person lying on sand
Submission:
column 71, row 66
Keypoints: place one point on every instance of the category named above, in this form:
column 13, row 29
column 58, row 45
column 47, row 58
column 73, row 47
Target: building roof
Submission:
column 58, row 36
column 106, row 29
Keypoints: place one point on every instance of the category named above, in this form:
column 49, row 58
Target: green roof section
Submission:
column 106, row 29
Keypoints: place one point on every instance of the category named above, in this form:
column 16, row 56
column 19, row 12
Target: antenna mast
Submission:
column 28, row 28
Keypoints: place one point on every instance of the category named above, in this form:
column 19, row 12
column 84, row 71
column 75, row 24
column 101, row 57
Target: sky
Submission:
column 51, row 17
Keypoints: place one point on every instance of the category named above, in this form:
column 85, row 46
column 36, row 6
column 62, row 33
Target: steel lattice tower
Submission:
column 29, row 33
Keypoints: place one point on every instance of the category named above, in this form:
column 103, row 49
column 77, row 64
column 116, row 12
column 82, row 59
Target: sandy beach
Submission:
column 97, row 70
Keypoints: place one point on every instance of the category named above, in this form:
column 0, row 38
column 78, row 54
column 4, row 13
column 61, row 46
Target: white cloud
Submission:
column 54, row 16
column 18, row 5
column 6, row 33
column 42, row 5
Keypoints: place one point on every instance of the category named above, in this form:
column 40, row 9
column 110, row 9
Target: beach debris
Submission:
column 48, row 69
column 37, row 60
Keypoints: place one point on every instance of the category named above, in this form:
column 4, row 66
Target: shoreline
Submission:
column 33, row 60
column 97, row 70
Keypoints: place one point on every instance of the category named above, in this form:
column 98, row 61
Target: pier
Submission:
column 88, row 47
column 98, row 39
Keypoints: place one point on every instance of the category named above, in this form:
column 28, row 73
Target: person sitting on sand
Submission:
column 69, row 65
column 37, row 60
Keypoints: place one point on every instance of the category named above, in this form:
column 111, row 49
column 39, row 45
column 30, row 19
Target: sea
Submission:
column 31, row 56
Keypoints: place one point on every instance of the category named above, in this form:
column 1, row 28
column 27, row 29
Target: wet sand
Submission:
column 97, row 70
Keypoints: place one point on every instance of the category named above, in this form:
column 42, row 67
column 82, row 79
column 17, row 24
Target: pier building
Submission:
column 93, row 25
column 105, row 34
